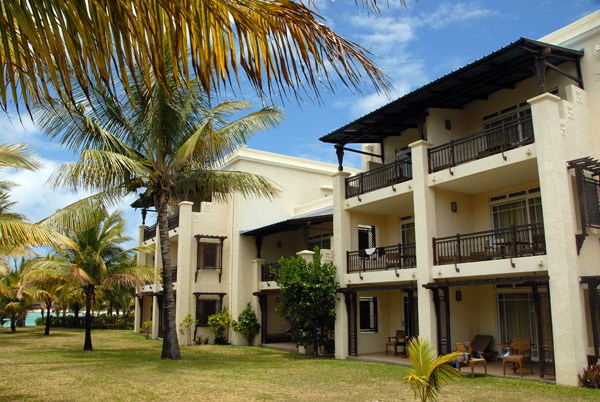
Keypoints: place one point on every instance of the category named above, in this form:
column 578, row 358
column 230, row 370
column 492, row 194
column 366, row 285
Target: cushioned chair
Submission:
column 520, row 353
column 470, row 358
column 399, row 340
column 482, row 344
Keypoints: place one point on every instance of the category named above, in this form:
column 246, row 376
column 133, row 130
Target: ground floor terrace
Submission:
column 491, row 313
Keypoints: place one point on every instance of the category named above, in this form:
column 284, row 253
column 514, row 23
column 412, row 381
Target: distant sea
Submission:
column 29, row 321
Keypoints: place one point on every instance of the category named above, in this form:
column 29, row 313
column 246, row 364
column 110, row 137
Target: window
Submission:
column 516, row 318
column 366, row 237
column 322, row 241
column 407, row 229
column 368, row 314
column 517, row 208
column 209, row 255
column 516, row 132
column 205, row 308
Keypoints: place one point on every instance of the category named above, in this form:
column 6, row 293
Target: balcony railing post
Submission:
column 435, row 254
column 452, row 156
column 347, row 262
column 458, row 253
column 513, row 240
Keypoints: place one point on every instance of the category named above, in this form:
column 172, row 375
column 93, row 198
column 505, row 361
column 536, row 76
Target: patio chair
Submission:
column 537, row 246
column 399, row 340
column 470, row 358
column 520, row 354
column 482, row 344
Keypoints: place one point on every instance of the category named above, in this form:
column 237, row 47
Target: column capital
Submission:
column 420, row 143
column 544, row 97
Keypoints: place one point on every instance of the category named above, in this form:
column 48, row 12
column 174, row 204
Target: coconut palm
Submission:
column 14, row 302
column 165, row 143
column 52, row 292
column 15, row 233
column 429, row 371
column 95, row 262
column 281, row 46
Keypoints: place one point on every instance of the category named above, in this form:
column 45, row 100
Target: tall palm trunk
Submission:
column 170, row 349
column 48, row 318
column 89, row 294
column 13, row 323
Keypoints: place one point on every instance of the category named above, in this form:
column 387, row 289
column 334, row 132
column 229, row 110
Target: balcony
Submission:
column 268, row 272
column 150, row 232
column 511, row 242
column 400, row 256
column 509, row 135
column 381, row 177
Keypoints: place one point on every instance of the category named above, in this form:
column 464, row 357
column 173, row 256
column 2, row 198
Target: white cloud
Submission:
column 450, row 14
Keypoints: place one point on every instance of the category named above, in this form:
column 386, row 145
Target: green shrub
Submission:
column 219, row 323
column 146, row 328
column 247, row 324
column 40, row 321
column 590, row 378
column 185, row 327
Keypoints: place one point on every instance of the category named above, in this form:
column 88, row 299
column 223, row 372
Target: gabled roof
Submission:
column 501, row 69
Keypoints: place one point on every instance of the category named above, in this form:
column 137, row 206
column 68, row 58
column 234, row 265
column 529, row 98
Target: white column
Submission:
column 425, row 230
column 185, row 271
column 137, row 315
column 155, row 317
column 560, row 227
column 341, row 242
column 141, row 258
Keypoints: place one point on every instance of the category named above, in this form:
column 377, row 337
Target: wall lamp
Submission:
column 453, row 206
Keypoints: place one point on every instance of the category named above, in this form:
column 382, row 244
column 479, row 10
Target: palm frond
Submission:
column 280, row 46
column 18, row 233
column 18, row 156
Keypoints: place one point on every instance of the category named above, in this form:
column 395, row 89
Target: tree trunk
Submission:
column 89, row 294
column 170, row 349
column 76, row 314
column 13, row 323
column 48, row 319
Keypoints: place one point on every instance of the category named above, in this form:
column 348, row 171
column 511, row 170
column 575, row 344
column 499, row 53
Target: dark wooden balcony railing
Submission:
column 268, row 272
column 511, row 242
column 493, row 141
column 150, row 232
column 383, row 258
column 381, row 177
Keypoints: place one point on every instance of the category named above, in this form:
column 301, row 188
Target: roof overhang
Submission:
column 502, row 69
column 539, row 279
column 288, row 225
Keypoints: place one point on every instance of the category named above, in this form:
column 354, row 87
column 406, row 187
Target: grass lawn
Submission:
column 126, row 367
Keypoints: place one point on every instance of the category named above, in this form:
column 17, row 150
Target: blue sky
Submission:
column 414, row 46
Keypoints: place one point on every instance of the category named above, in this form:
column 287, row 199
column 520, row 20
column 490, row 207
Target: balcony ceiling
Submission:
column 501, row 69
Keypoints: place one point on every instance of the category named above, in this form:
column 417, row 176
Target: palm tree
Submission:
column 281, row 46
column 95, row 263
column 14, row 302
column 166, row 142
column 429, row 371
column 51, row 291
column 15, row 233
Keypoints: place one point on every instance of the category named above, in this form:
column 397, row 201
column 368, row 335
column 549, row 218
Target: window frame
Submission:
column 373, row 316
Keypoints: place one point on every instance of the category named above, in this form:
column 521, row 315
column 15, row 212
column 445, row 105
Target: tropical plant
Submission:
column 15, row 233
column 590, row 378
column 96, row 262
column 146, row 328
column 185, row 327
column 247, row 324
column 166, row 143
column 429, row 371
column 281, row 46
column 307, row 299
column 219, row 323
column 14, row 302
column 51, row 291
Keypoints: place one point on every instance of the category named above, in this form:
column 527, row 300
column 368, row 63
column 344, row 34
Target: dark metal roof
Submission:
column 501, row 69
column 287, row 225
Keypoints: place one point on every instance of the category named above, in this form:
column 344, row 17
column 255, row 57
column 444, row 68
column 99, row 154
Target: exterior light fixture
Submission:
column 448, row 125
column 458, row 295
column 453, row 206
